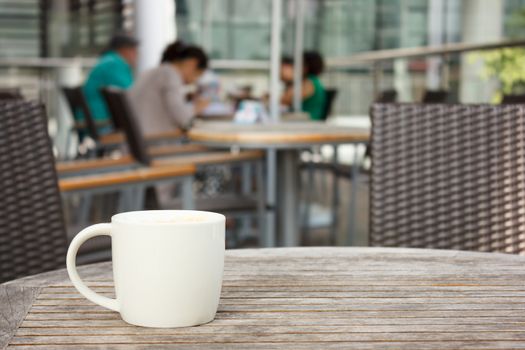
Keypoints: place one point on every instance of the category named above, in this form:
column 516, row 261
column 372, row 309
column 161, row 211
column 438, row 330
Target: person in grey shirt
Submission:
column 158, row 96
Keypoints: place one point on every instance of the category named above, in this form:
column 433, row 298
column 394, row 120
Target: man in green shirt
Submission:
column 114, row 68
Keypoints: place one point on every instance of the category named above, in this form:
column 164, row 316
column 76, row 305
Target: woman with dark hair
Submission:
column 158, row 96
column 313, row 91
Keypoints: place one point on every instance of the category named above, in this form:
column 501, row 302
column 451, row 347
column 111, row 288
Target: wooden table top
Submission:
column 283, row 134
column 298, row 298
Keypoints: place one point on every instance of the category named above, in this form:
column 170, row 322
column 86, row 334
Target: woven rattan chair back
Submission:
column 448, row 176
column 387, row 96
column 120, row 108
column 32, row 230
column 331, row 94
column 435, row 96
column 10, row 94
column 513, row 99
column 80, row 110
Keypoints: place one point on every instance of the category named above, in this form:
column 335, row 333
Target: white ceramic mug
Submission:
column 167, row 266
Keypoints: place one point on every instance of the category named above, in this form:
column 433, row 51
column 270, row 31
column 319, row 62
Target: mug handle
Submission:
column 80, row 238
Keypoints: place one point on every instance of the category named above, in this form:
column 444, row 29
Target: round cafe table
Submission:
column 282, row 142
column 297, row 298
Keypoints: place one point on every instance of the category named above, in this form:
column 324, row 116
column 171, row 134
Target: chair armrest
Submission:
column 129, row 177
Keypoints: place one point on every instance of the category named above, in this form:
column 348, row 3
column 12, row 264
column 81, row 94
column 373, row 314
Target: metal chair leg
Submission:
column 309, row 189
column 335, row 200
column 84, row 209
column 246, row 190
column 188, row 201
column 353, row 198
column 271, row 195
column 261, row 217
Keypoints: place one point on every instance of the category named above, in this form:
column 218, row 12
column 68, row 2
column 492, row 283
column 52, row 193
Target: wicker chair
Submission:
column 32, row 231
column 435, row 96
column 387, row 96
column 121, row 110
column 10, row 94
column 77, row 104
column 513, row 99
column 448, row 176
column 331, row 95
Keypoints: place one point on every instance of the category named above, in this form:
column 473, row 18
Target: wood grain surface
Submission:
column 93, row 164
column 186, row 152
column 126, row 177
column 211, row 158
column 119, row 137
column 275, row 134
column 302, row 298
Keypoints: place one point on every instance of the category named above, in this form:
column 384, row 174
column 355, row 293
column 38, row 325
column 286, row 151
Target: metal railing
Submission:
column 370, row 57
column 43, row 76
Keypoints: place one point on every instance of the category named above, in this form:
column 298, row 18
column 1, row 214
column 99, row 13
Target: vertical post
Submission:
column 288, row 170
column 335, row 198
column 481, row 21
column 271, row 197
column 246, row 190
column 445, row 72
column 206, row 25
column 67, row 75
column 188, row 201
column 266, row 237
column 155, row 28
column 275, row 60
column 271, row 158
column 377, row 73
column 352, row 206
column 44, row 27
column 298, row 55
column 436, row 29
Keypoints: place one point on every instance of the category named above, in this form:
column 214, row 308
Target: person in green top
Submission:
column 114, row 68
column 313, row 91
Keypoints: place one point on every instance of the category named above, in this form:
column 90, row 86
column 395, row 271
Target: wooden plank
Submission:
column 126, row 177
column 185, row 154
column 211, row 158
column 246, row 329
column 118, row 137
column 170, row 337
column 273, row 297
column 15, row 302
column 93, row 164
column 355, row 345
column 306, row 315
column 306, row 307
column 38, row 322
column 473, row 302
column 112, row 138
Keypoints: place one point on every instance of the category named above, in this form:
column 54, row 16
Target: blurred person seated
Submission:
column 114, row 68
column 313, row 91
column 158, row 97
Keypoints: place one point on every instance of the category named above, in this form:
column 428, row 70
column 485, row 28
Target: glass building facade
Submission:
column 239, row 29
